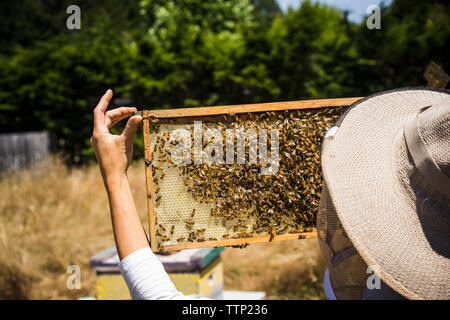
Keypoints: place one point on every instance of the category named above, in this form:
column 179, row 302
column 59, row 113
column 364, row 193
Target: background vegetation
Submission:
column 175, row 53
column 65, row 220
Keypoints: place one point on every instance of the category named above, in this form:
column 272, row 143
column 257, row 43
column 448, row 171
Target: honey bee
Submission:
column 172, row 230
column 192, row 237
column 162, row 235
column 189, row 224
column 281, row 229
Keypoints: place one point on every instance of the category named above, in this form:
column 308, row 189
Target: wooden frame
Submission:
column 205, row 112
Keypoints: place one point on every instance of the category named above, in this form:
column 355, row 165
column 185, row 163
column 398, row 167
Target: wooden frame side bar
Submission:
column 245, row 108
column 149, row 183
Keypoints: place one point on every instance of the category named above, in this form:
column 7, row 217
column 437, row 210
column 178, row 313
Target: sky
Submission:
column 357, row 8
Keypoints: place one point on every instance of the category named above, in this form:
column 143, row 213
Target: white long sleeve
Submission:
column 146, row 278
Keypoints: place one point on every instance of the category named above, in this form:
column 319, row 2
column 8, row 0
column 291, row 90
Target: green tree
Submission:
column 193, row 52
column 310, row 52
column 265, row 11
column 24, row 23
column 51, row 78
column 55, row 86
column 412, row 33
column 179, row 53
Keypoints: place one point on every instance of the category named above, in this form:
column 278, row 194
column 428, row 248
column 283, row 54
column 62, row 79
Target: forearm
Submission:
column 143, row 272
column 127, row 227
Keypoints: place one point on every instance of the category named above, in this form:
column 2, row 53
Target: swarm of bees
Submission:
column 247, row 202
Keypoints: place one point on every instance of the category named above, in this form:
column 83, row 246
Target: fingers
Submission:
column 115, row 115
column 99, row 112
column 131, row 128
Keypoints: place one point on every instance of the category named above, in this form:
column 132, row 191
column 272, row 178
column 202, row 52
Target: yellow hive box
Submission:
column 193, row 272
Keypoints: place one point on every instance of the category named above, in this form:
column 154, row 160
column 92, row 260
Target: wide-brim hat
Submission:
column 386, row 168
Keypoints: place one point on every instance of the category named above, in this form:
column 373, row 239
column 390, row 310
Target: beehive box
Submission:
column 193, row 272
column 234, row 175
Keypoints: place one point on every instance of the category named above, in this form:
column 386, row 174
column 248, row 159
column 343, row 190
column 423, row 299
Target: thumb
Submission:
column 131, row 128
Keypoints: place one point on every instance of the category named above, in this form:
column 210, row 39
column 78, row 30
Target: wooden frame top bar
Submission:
column 244, row 108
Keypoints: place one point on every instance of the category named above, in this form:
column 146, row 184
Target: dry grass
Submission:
column 284, row 270
column 51, row 218
column 54, row 217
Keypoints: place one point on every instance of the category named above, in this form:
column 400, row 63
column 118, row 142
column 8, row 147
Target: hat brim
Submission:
column 359, row 168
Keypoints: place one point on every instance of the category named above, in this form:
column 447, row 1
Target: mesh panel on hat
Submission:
column 348, row 271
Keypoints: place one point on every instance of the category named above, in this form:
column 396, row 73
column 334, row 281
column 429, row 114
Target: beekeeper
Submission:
column 384, row 217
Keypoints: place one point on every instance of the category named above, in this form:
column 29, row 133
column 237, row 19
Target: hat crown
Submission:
column 434, row 126
column 437, row 136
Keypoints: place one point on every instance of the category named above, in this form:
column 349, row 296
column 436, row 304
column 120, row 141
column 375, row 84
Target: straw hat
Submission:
column 386, row 168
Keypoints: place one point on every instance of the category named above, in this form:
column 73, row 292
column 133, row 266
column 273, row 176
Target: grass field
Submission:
column 54, row 217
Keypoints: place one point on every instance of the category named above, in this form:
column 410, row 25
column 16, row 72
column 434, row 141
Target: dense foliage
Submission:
column 177, row 53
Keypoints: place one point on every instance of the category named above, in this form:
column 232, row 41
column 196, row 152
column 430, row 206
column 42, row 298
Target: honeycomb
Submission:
column 212, row 201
